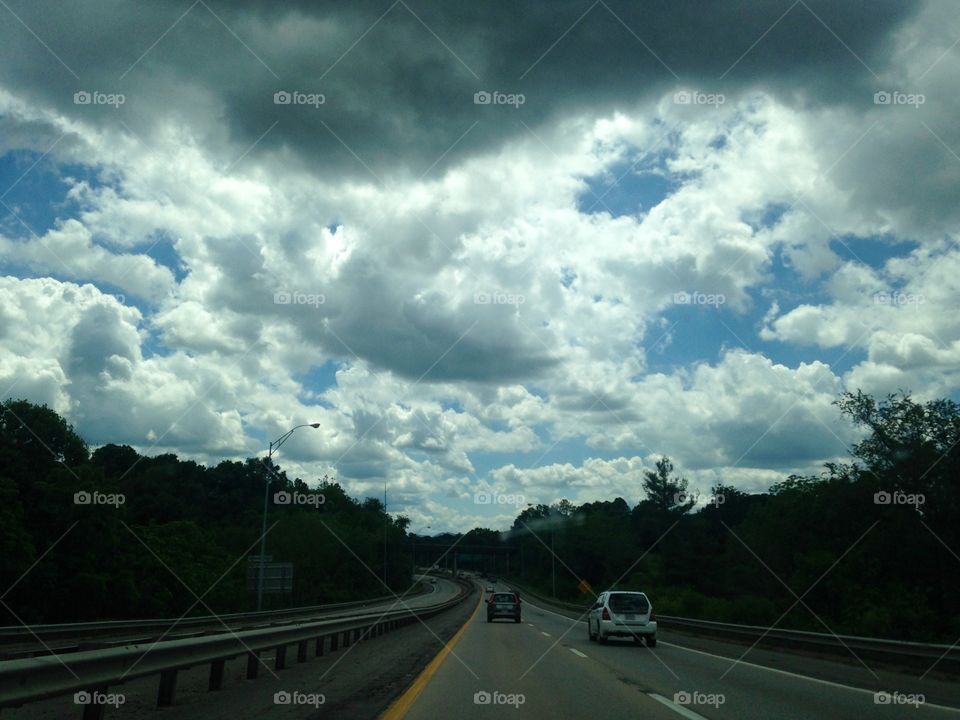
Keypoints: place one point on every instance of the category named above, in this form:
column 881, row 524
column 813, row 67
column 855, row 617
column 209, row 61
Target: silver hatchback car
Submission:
column 620, row 613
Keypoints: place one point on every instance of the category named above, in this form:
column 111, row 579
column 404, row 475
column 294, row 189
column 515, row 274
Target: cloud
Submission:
column 481, row 296
column 422, row 64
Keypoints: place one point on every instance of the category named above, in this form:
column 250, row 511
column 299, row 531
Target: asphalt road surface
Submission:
column 546, row 667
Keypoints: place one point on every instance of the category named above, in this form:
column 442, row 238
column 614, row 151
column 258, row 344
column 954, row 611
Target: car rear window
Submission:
column 504, row 598
column 628, row 603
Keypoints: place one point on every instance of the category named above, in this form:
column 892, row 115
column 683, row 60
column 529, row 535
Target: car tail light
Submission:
column 653, row 615
column 606, row 614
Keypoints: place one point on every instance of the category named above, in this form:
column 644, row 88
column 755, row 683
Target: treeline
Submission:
column 869, row 547
column 113, row 534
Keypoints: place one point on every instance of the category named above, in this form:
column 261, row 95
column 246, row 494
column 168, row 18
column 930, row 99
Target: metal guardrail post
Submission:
column 93, row 710
column 216, row 674
column 253, row 665
column 281, row 658
column 302, row 651
column 168, row 688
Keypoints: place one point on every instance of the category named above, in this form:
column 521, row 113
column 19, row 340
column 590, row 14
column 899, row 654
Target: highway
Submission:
column 456, row 665
column 546, row 667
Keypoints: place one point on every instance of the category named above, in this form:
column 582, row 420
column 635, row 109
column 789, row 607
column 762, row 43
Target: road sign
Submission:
column 277, row 576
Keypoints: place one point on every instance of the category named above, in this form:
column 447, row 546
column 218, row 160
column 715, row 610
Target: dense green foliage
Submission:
column 180, row 539
column 814, row 553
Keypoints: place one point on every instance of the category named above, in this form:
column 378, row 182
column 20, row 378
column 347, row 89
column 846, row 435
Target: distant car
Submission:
column 619, row 613
column 503, row 604
column 490, row 588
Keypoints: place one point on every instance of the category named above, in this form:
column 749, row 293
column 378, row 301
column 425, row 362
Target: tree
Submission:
column 665, row 492
column 33, row 438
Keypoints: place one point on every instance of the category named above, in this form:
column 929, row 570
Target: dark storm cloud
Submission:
column 399, row 79
column 374, row 317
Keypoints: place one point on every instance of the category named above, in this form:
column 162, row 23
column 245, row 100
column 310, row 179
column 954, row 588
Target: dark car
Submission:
column 503, row 605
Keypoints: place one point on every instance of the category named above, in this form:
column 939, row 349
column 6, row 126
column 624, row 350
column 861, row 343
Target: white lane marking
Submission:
column 531, row 624
column 761, row 667
column 676, row 708
column 565, row 617
column 545, row 633
column 798, row 676
column 576, row 652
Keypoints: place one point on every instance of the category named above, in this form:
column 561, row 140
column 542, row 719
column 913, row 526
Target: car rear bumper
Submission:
column 612, row 628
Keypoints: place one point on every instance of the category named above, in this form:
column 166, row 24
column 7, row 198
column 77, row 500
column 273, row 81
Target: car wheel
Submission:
column 590, row 635
column 517, row 619
column 489, row 619
column 651, row 641
column 601, row 638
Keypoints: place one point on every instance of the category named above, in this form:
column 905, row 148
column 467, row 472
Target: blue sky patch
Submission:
column 320, row 377
column 872, row 251
column 630, row 187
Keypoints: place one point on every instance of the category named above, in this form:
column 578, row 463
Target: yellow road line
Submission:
column 402, row 704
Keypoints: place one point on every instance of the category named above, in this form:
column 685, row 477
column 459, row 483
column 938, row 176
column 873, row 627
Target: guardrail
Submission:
column 18, row 633
column 946, row 658
column 94, row 671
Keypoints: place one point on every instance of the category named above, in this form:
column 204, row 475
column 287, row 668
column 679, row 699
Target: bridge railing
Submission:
column 54, row 631
column 95, row 671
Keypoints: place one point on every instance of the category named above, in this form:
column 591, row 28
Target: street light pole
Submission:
column 266, row 494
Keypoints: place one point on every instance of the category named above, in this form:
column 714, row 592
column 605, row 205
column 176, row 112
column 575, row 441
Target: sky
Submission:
column 503, row 254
